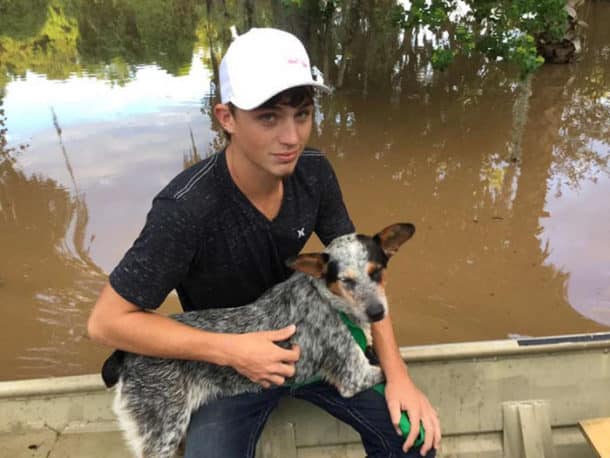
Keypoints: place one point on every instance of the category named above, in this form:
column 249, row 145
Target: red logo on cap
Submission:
column 297, row 61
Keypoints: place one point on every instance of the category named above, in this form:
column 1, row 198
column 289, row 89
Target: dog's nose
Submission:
column 375, row 312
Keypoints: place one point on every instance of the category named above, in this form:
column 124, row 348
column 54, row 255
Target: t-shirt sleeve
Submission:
column 159, row 258
column 333, row 219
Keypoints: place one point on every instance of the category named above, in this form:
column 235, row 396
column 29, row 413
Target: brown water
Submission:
column 509, row 190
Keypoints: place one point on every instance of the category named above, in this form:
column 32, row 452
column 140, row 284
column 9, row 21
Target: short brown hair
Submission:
column 293, row 97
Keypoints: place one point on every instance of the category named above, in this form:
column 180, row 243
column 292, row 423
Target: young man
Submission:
column 219, row 234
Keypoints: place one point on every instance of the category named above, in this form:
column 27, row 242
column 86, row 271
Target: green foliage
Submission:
column 51, row 50
column 434, row 14
column 500, row 29
column 138, row 31
column 524, row 54
column 21, row 19
column 442, row 58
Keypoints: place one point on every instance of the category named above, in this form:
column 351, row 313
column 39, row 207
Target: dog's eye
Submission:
column 376, row 275
column 348, row 282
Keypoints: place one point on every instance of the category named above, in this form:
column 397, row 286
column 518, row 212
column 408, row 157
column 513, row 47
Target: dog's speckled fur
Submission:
column 155, row 397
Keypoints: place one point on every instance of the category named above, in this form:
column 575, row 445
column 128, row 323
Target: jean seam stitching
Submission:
column 256, row 431
column 360, row 420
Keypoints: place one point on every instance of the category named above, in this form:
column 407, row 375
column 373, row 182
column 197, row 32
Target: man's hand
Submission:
column 402, row 395
column 256, row 356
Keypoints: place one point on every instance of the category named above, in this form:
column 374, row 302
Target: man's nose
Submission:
column 290, row 132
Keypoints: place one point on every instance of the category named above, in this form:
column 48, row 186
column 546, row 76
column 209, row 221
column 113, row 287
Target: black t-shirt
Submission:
column 204, row 238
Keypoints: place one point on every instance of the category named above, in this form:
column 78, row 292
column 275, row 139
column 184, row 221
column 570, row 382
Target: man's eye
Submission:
column 376, row 275
column 303, row 114
column 349, row 282
column 267, row 117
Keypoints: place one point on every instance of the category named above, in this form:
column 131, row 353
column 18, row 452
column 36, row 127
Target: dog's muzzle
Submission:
column 375, row 312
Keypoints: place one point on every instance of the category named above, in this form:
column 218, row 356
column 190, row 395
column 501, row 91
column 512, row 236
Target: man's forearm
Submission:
column 387, row 350
column 118, row 324
column 153, row 334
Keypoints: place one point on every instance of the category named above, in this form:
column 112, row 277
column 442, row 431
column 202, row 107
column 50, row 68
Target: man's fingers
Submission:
column 285, row 370
column 289, row 355
column 413, row 433
column 433, row 432
column 395, row 413
column 437, row 427
column 282, row 334
column 430, row 433
column 276, row 376
column 297, row 349
column 276, row 379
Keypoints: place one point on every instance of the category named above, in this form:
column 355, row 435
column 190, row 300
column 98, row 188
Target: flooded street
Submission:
column 507, row 181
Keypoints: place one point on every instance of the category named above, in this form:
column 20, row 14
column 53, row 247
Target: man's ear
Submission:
column 392, row 237
column 313, row 264
column 225, row 117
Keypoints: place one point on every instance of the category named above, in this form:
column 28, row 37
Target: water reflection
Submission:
column 47, row 276
column 577, row 135
column 503, row 179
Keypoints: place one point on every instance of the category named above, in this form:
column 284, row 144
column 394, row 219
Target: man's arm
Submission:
column 118, row 323
column 400, row 392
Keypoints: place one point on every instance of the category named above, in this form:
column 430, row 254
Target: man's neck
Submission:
column 264, row 190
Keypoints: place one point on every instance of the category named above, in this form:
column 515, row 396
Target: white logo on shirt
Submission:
column 301, row 232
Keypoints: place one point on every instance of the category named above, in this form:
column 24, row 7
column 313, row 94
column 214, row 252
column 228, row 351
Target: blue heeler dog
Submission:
column 155, row 397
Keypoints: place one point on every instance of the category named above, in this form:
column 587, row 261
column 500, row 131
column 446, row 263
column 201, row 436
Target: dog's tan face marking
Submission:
column 376, row 272
column 345, row 294
column 350, row 274
column 338, row 290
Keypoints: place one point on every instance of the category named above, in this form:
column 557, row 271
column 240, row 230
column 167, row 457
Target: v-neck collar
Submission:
column 226, row 180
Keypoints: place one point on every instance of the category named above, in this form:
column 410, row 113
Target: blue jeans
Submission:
column 230, row 427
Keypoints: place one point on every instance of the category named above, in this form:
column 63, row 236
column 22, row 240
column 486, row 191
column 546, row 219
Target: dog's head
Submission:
column 353, row 267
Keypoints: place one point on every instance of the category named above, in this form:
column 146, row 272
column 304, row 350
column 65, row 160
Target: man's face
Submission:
column 273, row 138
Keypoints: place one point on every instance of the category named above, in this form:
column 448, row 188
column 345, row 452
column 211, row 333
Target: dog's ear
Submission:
column 313, row 264
column 392, row 237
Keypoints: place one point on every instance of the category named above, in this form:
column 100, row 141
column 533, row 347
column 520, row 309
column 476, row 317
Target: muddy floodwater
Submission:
column 506, row 180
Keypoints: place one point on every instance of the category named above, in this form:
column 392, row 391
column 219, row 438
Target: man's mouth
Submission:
column 286, row 157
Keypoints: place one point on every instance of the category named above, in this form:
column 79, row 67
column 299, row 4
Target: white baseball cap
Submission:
column 262, row 63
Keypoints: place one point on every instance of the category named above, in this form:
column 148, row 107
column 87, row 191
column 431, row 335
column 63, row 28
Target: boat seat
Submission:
column 527, row 429
column 597, row 432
